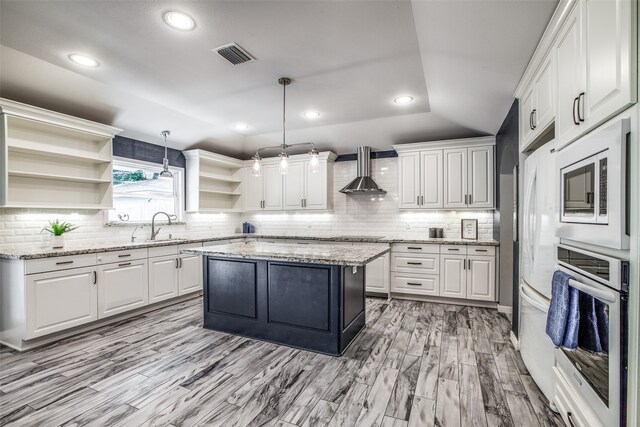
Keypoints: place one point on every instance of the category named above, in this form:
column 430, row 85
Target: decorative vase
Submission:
column 57, row 242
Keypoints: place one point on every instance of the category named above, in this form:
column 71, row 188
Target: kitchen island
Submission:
column 311, row 297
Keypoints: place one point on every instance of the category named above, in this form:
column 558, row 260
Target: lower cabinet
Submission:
column 190, row 274
column 481, row 278
column 453, row 283
column 60, row 300
column 377, row 275
column 122, row 287
column 419, row 284
column 163, row 278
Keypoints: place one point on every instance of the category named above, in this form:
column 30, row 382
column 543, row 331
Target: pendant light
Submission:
column 165, row 162
column 314, row 160
column 256, row 165
column 284, row 157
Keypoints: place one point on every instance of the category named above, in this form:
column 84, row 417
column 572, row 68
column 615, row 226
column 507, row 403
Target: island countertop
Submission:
column 356, row 255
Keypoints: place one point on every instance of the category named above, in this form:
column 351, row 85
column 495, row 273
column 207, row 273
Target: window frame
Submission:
column 178, row 188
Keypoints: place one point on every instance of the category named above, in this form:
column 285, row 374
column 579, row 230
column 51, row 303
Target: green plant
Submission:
column 58, row 228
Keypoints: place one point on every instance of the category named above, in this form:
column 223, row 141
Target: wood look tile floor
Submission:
column 416, row 364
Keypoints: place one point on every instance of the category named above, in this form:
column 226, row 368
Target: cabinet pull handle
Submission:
column 533, row 119
column 124, row 255
column 302, row 243
column 418, row 248
column 575, row 121
column 414, row 263
column 305, row 202
column 414, row 284
column 453, row 249
column 570, row 418
column 481, row 250
column 470, row 199
column 177, row 262
column 64, row 262
column 469, row 264
column 418, row 200
column 180, row 262
column 466, row 199
column 95, row 277
column 581, row 98
column 124, row 264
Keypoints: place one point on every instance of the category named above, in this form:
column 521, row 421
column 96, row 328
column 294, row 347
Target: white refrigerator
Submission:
column 537, row 261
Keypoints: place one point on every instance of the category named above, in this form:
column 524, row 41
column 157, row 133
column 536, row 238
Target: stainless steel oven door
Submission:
column 596, row 377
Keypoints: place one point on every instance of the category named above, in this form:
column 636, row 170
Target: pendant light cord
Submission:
column 284, row 112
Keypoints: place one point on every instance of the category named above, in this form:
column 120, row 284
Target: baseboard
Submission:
column 514, row 340
column 443, row 300
column 507, row 309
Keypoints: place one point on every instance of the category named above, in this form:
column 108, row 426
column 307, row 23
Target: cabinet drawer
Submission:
column 573, row 409
column 119, row 256
column 416, row 248
column 59, row 263
column 423, row 264
column 453, row 249
column 481, row 250
column 163, row 251
column 421, row 284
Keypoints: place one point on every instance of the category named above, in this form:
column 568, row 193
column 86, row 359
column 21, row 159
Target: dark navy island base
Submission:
column 315, row 307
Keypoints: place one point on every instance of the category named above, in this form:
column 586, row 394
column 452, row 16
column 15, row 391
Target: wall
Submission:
column 365, row 215
column 507, row 149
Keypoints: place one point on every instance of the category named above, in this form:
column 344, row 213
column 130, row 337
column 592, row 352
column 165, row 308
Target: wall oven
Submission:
column 592, row 174
column 598, row 377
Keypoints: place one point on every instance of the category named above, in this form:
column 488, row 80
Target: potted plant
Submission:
column 57, row 230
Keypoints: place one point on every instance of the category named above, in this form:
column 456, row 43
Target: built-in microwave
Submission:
column 592, row 174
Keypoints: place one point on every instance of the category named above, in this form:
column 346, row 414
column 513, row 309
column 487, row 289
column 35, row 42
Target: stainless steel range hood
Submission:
column 363, row 184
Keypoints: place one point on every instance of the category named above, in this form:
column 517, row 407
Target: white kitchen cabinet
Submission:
column 264, row 192
column 409, row 190
column 569, row 54
column 163, row 278
column 453, row 277
column 480, row 177
column 189, row 274
column 253, row 191
column 468, row 177
column 304, row 189
column 416, row 284
column 60, row 300
column 481, row 278
column 596, row 74
column 455, row 178
column 122, row 287
column 377, row 275
column 537, row 106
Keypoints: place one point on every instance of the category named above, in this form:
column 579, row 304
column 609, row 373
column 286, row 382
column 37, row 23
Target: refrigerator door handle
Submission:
column 526, row 233
column 524, row 293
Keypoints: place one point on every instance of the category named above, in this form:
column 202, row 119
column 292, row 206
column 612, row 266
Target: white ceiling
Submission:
column 461, row 60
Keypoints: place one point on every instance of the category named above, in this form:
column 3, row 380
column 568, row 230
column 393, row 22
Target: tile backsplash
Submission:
column 357, row 214
column 367, row 215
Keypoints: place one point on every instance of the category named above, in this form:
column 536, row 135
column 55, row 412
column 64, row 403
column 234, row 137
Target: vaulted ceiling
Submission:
column 348, row 60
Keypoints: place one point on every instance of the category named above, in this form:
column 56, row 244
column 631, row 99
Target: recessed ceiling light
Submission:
column 241, row 126
column 312, row 114
column 405, row 99
column 179, row 21
column 83, row 60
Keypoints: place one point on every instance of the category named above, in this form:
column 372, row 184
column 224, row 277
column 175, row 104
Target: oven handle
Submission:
column 603, row 294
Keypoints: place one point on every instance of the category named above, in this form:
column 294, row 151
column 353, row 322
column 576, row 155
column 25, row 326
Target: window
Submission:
column 139, row 192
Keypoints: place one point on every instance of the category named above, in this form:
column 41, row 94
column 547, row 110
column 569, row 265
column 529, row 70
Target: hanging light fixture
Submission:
column 283, row 166
column 256, row 166
column 165, row 162
column 314, row 160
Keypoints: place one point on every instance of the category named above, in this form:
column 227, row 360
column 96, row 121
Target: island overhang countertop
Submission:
column 356, row 255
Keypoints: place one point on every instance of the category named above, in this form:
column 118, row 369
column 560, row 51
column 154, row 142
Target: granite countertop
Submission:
column 38, row 252
column 356, row 255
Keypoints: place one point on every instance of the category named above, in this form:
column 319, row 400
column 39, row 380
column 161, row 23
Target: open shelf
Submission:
column 53, row 161
column 221, row 178
column 228, row 193
column 57, row 177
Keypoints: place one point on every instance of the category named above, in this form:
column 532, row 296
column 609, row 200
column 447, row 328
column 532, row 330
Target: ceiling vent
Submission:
column 234, row 54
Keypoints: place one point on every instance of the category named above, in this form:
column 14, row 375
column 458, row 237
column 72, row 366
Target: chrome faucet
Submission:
column 155, row 232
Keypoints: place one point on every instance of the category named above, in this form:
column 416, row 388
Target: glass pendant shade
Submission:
column 256, row 166
column 165, row 174
column 284, row 163
column 314, row 161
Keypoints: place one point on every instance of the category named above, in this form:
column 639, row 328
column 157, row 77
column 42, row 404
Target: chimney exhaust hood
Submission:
column 363, row 184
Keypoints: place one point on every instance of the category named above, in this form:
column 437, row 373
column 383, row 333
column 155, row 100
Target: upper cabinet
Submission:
column 51, row 160
column 583, row 72
column 299, row 189
column 213, row 182
column 537, row 106
column 454, row 174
